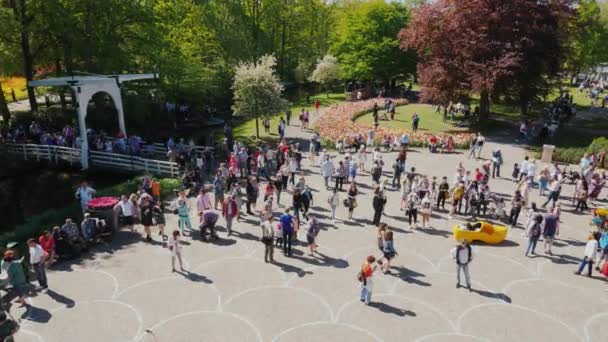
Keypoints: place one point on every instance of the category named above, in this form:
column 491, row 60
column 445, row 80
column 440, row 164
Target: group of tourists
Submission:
column 249, row 177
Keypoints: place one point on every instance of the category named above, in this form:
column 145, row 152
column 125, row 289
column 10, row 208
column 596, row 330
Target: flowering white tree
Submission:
column 326, row 72
column 257, row 90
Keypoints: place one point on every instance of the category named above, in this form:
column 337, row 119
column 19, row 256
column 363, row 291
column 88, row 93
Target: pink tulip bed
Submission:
column 338, row 122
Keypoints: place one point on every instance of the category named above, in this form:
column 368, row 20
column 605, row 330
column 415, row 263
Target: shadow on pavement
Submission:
column 386, row 308
column 197, row 278
column 292, row 269
column 408, row 275
column 500, row 296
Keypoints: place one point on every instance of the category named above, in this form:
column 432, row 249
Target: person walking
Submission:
column 550, row 231
column 426, row 210
column 352, row 199
column 516, row 204
column 219, row 187
column 378, row 203
column 327, row 170
column 415, row 122
column 16, row 276
column 312, row 231
column 230, row 210
column 268, row 239
column 127, row 212
column 147, row 214
column 388, row 250
column 497, row 162
column 554, row 189
column 251, row 191
column 334, row 201
column 183, row 214
column 37, row 259
column 84, row 194
column 176, row 250
column 533, row 233
column 443, row 192
column 411, row 210
column 463, row 254
column 589, row 255
column 286, row 221
column 307, row 199
column 397, row 171
column 340, row 175
column 365, row 277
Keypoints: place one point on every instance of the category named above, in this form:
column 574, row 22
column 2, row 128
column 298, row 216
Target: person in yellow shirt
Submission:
column 457, row 194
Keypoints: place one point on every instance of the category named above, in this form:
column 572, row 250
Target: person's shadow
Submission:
column 194, row 277
column 36, row 314
column 392, row 310
column 59, row 298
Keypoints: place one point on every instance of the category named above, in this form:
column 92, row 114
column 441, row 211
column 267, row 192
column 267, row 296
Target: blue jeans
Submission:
column 585, row 262
column 366, row 294
column 531, row 245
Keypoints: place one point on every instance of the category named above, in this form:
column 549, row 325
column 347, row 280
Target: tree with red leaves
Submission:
column 495, row 48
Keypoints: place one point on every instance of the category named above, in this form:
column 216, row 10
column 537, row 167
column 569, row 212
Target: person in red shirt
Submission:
column 365, row 276
column 47, row 242
column 478, row 175
column 317, row 106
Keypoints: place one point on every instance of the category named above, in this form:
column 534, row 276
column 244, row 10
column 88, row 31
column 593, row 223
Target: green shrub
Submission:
column 597, row 145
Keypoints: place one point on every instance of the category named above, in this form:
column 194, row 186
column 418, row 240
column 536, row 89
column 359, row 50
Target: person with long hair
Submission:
column 388, row 250
column 365, row 277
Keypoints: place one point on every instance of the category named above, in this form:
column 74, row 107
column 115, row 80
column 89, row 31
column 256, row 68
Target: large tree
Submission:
column 365, row 40
column 590, row 39
column 257, row 90
column 514, row 48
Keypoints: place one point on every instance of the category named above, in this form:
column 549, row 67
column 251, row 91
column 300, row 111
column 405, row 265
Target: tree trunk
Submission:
column 6, row 114
column 61, row 90
column 257, row 128
column 20, row 11
column 484, row 105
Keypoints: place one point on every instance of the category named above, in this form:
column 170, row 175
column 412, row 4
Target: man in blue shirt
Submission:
column 287, row 227
column 551, row 223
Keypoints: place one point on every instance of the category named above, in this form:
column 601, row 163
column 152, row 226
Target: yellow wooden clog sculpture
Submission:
column 601, row 211
column 488, row 233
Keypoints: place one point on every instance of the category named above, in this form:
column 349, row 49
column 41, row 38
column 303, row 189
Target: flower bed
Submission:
column 101, row 203
column 338, row 122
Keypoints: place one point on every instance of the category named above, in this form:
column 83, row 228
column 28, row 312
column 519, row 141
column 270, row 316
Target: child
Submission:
column 175, row 249
column 515, row 173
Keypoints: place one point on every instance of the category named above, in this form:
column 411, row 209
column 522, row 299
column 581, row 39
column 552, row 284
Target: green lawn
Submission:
column 246, row 129
column 429, row 120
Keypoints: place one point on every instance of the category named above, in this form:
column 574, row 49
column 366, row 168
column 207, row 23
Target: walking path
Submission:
column 126, row 292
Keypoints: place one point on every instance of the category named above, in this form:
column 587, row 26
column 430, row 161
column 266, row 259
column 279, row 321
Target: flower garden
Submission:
column 338, row 122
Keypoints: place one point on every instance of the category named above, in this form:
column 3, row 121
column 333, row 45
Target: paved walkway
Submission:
column 126, row 292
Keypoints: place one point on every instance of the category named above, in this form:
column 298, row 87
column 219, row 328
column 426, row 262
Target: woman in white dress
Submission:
column 362, row 158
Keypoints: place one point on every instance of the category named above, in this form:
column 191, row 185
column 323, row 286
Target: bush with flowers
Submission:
column 100, row 203
column 337, row 122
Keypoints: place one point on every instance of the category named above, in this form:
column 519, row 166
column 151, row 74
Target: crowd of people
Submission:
column 249, row 177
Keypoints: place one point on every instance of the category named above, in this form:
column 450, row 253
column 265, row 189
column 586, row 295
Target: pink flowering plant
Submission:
column 102, row 202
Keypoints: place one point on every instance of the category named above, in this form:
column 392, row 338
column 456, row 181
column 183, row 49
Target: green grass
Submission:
column 16, row 83
column 430, row 121
column 245, row 131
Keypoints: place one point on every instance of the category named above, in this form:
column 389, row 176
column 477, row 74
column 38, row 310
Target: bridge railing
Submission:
column 117, row 161
column 43, row 152
column 133, row 163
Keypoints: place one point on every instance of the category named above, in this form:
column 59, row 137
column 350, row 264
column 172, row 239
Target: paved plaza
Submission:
column 126, row 292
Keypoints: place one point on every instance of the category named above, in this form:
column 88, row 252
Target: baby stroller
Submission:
column 208, row 223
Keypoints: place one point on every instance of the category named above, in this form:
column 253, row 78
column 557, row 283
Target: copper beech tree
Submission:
column 494, row 48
